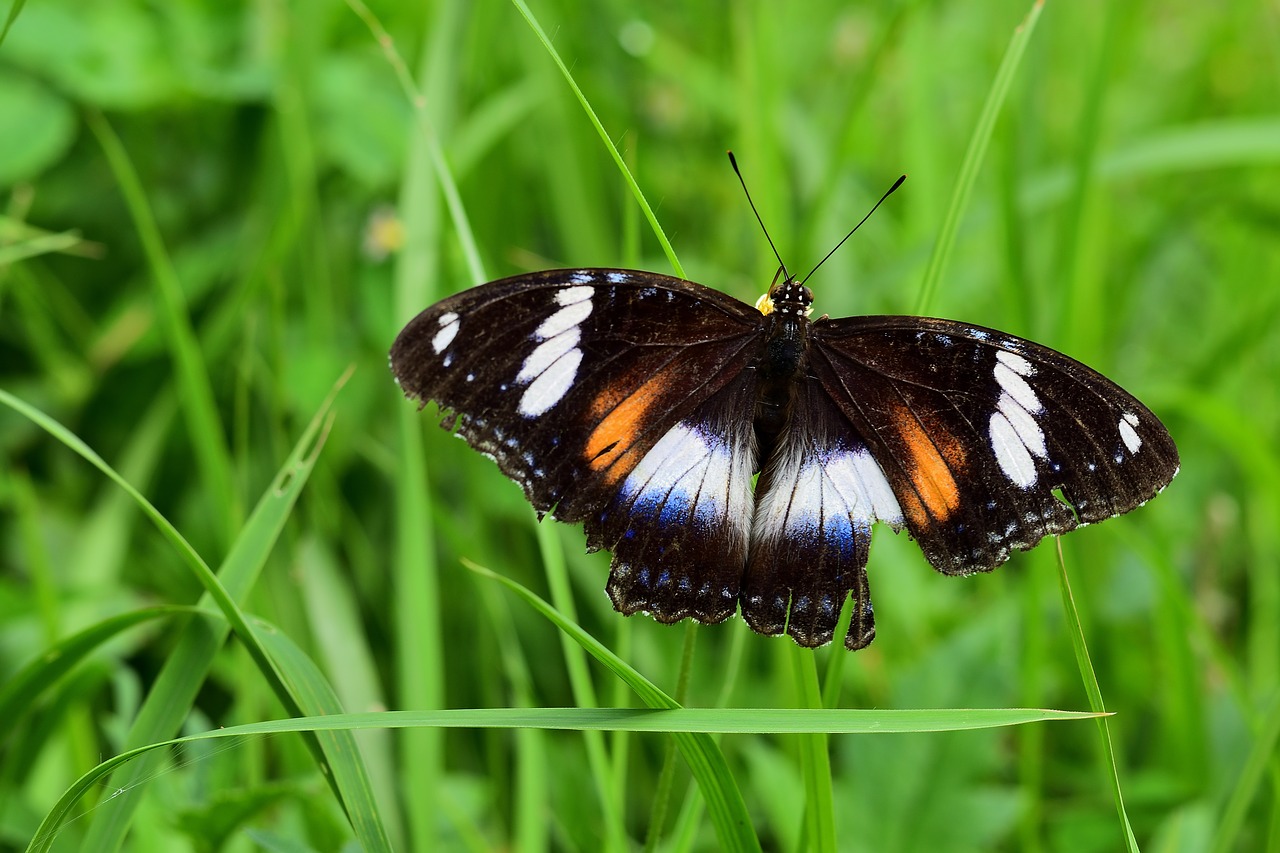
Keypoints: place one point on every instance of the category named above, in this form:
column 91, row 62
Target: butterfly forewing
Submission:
column 990, row 442
column 612, row 397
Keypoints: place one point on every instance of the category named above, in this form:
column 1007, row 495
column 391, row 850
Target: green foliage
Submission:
column 210, row 210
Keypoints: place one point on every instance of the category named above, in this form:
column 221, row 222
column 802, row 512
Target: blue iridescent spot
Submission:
column 675, row 508
column 839, row 531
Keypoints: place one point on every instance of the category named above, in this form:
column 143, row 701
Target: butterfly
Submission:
column 737, row 457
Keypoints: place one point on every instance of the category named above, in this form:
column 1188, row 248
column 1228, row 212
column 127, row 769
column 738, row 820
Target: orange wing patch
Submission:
column 936, row 457
column 610, row 446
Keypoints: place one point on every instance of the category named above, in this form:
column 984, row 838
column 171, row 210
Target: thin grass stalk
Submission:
column 973, row 158
column 1094, row 692
column 208, row 443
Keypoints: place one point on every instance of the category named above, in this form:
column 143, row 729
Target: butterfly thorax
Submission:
column 786, row 308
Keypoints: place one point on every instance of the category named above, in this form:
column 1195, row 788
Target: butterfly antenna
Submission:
column 734, row 162
column 896, row 184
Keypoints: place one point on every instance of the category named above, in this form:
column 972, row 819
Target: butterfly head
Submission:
column 787, row 297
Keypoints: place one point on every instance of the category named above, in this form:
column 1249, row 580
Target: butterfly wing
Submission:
column 679, row 527
column 817, row 498
column 617, row 398
column 979, row 432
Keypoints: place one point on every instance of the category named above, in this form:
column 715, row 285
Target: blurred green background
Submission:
column 211, row 209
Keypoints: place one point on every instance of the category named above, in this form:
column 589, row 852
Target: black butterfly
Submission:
column 643, row 405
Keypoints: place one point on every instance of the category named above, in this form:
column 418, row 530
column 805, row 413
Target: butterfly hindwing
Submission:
column 817, row 499
column 567, row 378
column 990, row 442
column 679, row 526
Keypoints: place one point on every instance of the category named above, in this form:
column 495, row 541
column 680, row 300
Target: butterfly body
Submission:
column 643, row 406
column 785, row 355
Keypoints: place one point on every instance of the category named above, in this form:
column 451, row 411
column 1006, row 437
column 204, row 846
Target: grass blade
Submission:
column 584, row 693
column 1262, row 754
column 973, row 158
column 13, row 16
column 174, row 690
column 719, row 789
column 604, row 137
column 689, row 725
column 431, row 141
column 815, row 761
column 1095, row 696
column 194, row 388
column 310, row 690
column 22, row 692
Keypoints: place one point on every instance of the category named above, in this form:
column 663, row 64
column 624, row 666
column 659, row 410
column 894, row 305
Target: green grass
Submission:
column 190, row 258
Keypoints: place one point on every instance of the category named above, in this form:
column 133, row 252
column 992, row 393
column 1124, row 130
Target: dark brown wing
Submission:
column 977, row 430
column 618, row 398
column 679, row 526
column 567, row 378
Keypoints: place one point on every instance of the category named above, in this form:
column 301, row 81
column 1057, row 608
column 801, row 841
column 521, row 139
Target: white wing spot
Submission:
column 553, row 365
column 570, row 295
column 582, row 277
column 1024, row 424
column 1015, row 362
column 1128, row 434
column 617, row 277
column 566, row 318
column 547, row 353
column 1012, row 383
column 445, row 335
column 552, row 384
column 1011, row 452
